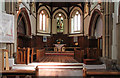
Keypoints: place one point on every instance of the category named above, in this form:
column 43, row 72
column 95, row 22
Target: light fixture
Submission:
column 59, row 14
column 77, row 12
column 42, row 12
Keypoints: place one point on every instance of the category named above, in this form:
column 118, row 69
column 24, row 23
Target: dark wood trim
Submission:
column 18, row 72
column 75, row 33
column 43, row 33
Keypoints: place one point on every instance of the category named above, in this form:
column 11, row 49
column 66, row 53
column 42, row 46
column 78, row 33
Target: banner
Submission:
column 6, row 28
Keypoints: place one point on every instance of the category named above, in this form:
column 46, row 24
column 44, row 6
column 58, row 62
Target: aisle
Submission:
column 58, row 58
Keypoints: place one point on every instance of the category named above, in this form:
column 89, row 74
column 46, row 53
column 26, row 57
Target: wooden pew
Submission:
column 18, row 74
column 93, row 53
column 40, row 54
column 79, row 55
column 25, row 55
column 2, row 51
column 21, row 55
column 100, row 74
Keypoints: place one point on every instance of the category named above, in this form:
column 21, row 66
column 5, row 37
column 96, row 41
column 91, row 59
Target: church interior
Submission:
column 59, row 39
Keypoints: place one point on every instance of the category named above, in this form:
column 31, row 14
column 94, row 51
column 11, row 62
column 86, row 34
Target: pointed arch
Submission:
column 25, row 16
column 95, row 15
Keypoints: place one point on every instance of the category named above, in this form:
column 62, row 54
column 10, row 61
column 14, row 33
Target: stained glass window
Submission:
column 59, row 23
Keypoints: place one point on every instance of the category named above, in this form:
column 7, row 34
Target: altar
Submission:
column 58, row 47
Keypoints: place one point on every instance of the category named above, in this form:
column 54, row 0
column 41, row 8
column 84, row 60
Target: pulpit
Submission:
column 59, row 46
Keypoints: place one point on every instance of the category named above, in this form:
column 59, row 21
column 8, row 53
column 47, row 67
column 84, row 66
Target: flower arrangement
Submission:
column 58, row 41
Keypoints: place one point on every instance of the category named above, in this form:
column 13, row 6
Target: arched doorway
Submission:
column 23, row 29
column 95, row 27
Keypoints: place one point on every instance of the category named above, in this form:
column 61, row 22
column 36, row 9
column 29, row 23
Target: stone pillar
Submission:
column 107, row 29
column 118, row 42
column 111, row 10
column 11, row 50
column 65, row 26
column 103, row 37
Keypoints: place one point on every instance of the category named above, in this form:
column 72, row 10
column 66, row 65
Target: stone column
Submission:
column 111, row 10
column 103, row 37
column 107, row 29
column 11, row 50
column 118, row 42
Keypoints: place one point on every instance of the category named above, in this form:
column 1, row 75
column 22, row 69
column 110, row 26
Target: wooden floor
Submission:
column 58, row 58
column 54, row 66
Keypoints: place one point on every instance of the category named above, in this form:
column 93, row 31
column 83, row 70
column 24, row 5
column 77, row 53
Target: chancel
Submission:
column 60, row 39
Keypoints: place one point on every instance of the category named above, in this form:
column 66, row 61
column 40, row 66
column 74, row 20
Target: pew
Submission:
column 25, row 55
column 2, row 51
column 100, row 74
column 17, row 74
column 93, row 53
column 40, row 53
column 79, row 55
column 21, row 55
column 92, row 56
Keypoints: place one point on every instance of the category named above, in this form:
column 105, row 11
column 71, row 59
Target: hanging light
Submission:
column 59, row 14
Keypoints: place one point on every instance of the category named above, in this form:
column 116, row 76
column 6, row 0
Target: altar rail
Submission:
column 64, row 49
column 100, row 74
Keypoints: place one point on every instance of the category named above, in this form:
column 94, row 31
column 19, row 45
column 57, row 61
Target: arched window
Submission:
column 43, row 21
column 59, row 23
column 76, row 22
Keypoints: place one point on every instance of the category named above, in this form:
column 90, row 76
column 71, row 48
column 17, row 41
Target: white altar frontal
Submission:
column 59, row 46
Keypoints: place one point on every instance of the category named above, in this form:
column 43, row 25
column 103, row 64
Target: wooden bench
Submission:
column 2, row 51
column 40, row 54
column 25, row 55
column 89, row 61
column 79, row 55
column 100, row 74
column 18, row 73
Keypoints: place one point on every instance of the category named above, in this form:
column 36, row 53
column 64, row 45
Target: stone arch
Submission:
column 23, row 23
column 62, row 10
column 95, row 15
column 25, row 16
column 47, row 13
column 43, row 8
